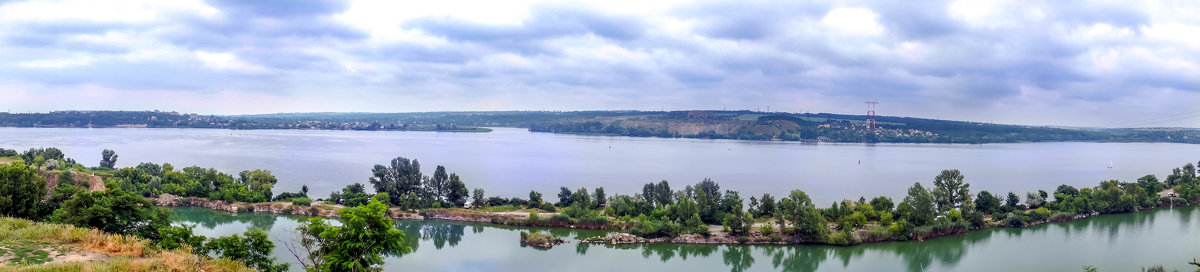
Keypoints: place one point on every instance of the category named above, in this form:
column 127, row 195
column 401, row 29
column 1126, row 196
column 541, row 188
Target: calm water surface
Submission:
column 1123, row 242
column 510, row 162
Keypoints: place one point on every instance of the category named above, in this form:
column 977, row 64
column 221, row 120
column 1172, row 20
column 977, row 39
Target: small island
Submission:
column 540, row 240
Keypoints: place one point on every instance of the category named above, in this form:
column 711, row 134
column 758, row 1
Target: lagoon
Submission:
column 1117, row 242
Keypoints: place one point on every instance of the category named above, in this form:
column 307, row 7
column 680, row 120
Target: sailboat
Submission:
column 1110, row 164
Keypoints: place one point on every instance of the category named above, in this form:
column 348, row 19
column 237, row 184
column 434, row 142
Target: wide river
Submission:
column 510, row 162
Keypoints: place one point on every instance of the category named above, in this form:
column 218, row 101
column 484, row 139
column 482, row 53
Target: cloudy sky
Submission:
column 1088, row 63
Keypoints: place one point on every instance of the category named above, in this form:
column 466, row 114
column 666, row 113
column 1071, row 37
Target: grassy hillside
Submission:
column 31, row 246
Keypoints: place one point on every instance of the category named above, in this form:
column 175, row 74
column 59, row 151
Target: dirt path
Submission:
column 26, row 252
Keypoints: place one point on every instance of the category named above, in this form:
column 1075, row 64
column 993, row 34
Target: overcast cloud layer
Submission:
column 1086, row 63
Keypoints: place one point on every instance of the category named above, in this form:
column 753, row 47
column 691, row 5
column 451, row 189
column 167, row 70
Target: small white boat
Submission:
column 1110, row 164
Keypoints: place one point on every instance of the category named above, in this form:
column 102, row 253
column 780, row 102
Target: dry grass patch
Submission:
column 80, row 249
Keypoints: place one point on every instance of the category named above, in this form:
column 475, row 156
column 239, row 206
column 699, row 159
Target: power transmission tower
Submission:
column 871, row 114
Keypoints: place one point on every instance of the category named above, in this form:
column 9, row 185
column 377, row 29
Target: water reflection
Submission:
column 487, row 246
column 211, row 219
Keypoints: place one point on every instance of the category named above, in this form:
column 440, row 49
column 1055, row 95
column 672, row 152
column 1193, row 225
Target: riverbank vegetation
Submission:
column 120, row 209
column 697, row 213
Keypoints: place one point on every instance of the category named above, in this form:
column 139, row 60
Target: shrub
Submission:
column 743, row 239
column 301, row 201
column 548, row 207
column 1015, row 219
column 766, row 229
column 1039, row 214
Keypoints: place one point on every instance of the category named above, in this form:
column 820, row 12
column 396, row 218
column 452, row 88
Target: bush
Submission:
column 301, row 201
column 901, row 230
column 1015, row 219
column 743, row 239
column 766, row 229
column 1039, row 214
column 548, row 207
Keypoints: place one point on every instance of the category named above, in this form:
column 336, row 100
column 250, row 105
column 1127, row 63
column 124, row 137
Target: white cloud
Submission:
column 226, row 61
column 853, row 21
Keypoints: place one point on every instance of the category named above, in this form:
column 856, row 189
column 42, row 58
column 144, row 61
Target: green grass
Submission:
column 25, row 253
column 8, row 160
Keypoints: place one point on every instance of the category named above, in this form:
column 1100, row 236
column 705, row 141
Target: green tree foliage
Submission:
column 352, row 195
column 600, row 198
column 359, row 244
column 737, row 221
column 114, row 211
column 807, row 221
column 259, row 182
column 922, row 203
column 438, row 184
column 21, row 190
column 949, row 190
column 564, row 196
column 535, row 197
column 108, row 158
column 254, row 249
column 1012, row 201
column 289, row 195
column 663, row 194
column 398, row 179
column 987, row 203
column 32, row 155
column 457, row 193
column 173, row 237
column 708, row 197
column 477, row 198
column 882, row 204
column 766, row 206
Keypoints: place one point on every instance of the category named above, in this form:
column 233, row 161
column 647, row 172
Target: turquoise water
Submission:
column 1123, row 242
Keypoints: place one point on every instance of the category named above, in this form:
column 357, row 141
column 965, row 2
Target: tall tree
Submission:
column 108, row 158
column 259, row 182
column 600, row 198
column 987, row 203
column 766, row 206
column 662, row 193
column 398, row 179
column 708, row 197
column 949, row 190
column 922, row 204
column 477, row 198
column 806, row 220
column 456, row 192
column 564, row 196
column 1012, row 200
column 535, row 197
column 21, row 189
column 437, row 183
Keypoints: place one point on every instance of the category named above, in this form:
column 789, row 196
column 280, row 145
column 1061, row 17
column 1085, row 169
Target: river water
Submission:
column 1120, row 242
column 509, row 162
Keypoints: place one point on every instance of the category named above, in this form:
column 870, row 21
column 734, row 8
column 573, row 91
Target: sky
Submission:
column 1072, row 63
